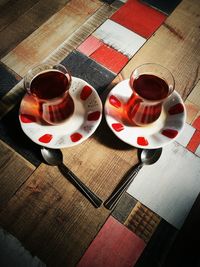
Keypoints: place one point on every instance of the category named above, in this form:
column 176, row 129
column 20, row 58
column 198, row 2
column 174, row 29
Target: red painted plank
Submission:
column 115, row 245
column 90, row 45
column 194, row 141
column 196, row 123
column 139, row 18
column 110, row 58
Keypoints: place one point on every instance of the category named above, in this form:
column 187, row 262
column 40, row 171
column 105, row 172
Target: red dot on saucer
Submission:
column 75, row 137
column 176, row 109
column 170, row 133
column 142, row 141
column 114, row 101
column 93, row 116
column 86, row 92
column 118, row 127
column 25, row 118
column 46, row 138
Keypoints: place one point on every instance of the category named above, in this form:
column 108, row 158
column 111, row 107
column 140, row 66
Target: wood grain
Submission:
column 55, row 212
column 14, row 172
column 24, row 18
column 53, row 32
column 78, row 36
column 175, row 45
column 142, row 221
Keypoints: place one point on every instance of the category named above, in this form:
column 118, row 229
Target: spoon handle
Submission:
column 113, row 199
column 94, row 199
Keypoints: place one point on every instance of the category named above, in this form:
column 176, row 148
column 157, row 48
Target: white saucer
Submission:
column 81, row 125
column 158, row 134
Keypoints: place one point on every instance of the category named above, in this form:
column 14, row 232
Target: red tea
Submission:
column 150, row 87
column 49, row 84
column 145, row 104
column 51, row 90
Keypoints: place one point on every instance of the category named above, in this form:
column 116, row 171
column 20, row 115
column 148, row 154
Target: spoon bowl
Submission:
column 146, row 157
column 54, row 157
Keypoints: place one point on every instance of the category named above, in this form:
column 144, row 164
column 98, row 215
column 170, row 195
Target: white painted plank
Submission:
column 170, row 186
column 119, row 37
column 197, row 152
column 186, row 135
column 194, row 97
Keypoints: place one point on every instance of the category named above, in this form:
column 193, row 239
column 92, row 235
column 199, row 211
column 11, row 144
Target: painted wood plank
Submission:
column 196, row 123
column 194, row 96
column 54, row 31
column 158, row 247
column 142, row 221
column 194, row 142
column 139, row 18
column 14, row 254
column 12, row 134
column 186, row 135
column 78, row 36
column 25, row 20
column 164, row 6
column 124, row 207
column 90, row 45
column 197, row 152
column 12, row 98
column 14, row 172
column 109, row 58
column 192, row 111
column 184, row 251
column 7, row 79
column 120, row 38
column 177, row 32
column 169, row 189
column 114, row 245
column 87, row 69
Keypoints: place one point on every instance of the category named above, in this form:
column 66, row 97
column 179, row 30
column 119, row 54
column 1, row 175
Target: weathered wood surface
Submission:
column 55, row 211
column 14, row 172
column 37, row 46
column 51, row 218
column 176, row 46
column 18, row 19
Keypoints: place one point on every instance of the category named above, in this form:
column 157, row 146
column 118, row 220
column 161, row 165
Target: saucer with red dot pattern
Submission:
column 157, row 134
column 80, row 126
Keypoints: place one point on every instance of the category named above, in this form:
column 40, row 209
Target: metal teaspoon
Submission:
column 147, row 157
column 54, row 157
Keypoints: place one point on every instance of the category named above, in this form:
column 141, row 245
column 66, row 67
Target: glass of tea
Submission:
column 49, row 85
column 151, row 84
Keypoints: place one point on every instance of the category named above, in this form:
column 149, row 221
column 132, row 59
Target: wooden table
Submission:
column 38, row 205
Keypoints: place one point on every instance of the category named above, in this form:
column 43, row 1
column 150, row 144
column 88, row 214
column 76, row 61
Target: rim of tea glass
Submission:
column 171, row 86
column 28, row 78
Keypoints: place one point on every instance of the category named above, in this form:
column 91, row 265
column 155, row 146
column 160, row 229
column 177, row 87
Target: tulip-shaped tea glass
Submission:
column 49, row 85
column 151, row 84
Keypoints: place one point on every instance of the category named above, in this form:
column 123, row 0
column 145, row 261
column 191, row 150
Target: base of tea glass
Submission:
column 49, row 85
column 151, row 84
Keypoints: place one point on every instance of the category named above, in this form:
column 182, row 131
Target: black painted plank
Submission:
column 87, row 69
column 12, row 134
column 185, row 249
column 166, row 6
column 108, row 1
column 124, row 207
column 158, row 247
column 8, row 80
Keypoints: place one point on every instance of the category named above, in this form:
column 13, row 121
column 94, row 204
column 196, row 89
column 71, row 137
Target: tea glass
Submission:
column 151, row 84
column 49, row 85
